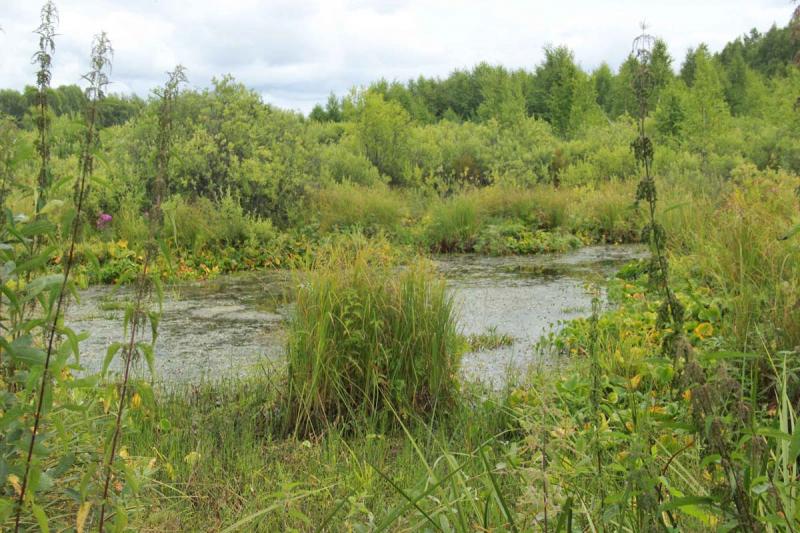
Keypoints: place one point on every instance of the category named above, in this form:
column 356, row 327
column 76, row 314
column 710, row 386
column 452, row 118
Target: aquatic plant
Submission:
column 491, row 339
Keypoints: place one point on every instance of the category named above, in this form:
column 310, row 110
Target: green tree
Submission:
column 670, row 114
column 13, row 104
column 689, row 65
column 502, row 97
column 554, row 91
column 585, row 112
column 707, row 113
column 383, row 132
column 603, row 80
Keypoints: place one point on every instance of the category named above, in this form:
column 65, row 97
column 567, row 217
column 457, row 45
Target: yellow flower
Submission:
column 704, row 330
column 687, row 395
column 635, row 380
column 136, row 401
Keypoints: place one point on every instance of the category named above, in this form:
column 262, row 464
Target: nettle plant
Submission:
column 44, row 58
column 56, row 429
column 671, row 313
column 749, row 463
column 138, row 314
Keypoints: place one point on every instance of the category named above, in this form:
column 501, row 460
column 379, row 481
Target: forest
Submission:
column 669, row 402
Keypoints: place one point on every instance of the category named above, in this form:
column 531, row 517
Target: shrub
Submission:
column 365, row 336
column 342, row 163
column 200, row 223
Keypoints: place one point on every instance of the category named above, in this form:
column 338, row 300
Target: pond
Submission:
column 228, row 325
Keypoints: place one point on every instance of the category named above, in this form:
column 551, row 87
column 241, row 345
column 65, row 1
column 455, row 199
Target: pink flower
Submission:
column 103, row 220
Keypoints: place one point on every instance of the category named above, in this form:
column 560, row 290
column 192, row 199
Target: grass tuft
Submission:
column 365, row 333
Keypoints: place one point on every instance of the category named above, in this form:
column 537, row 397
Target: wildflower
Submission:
column 103, row 220
column 136, row 400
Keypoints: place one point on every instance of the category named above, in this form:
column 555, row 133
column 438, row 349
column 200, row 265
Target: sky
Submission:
column 296, row 52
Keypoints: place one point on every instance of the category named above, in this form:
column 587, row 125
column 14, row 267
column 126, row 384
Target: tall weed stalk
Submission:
column 44, row 58
column 671, row 313
column 98, row 80
column 137, row 312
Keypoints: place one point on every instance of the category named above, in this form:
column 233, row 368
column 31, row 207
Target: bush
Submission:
column 342, row 163
column 365, row 336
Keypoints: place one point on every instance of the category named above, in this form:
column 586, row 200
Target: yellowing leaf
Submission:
column 704, row 330
column 83, row 514
column 191, row 458
column 14, row 480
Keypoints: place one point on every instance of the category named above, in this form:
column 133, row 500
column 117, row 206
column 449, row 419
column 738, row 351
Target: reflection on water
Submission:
column 226, row 325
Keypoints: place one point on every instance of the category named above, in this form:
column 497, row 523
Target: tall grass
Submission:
column 345, row 206
column 366, row 335
column 736, row 248
column 453, row 225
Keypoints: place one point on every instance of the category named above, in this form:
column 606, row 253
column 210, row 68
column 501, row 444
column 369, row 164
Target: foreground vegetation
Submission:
column 674, row 408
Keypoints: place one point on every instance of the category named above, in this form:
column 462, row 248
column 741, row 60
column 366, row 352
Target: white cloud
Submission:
column 295, row 52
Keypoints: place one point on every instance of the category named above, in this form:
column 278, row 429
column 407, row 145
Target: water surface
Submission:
column 229, row 324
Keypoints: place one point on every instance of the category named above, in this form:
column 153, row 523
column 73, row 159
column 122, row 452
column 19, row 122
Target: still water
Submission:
column 228, row 325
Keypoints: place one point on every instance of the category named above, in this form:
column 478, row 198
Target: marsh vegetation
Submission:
column 403, row 246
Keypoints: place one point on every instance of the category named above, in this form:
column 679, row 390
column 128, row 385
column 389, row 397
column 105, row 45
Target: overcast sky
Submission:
column 295, row 52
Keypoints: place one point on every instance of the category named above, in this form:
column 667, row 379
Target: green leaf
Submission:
column 110, row 353
column 23, row 351
column 52, row 205
column 794, row 445
column 149, row 356
column 677, row 503
column 41, row 518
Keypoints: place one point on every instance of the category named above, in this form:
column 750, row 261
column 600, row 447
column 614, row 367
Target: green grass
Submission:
column 372, row 209
column 222, row 458
column 364, row 335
